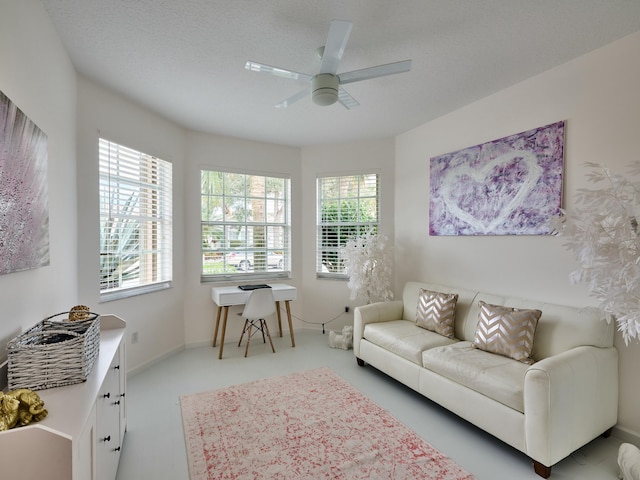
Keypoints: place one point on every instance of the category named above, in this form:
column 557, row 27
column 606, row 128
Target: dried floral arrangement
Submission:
column 602, row 233
column 367, row 260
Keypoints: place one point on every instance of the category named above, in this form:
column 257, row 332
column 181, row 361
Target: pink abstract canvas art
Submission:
column 24, row 205
column 509, row 186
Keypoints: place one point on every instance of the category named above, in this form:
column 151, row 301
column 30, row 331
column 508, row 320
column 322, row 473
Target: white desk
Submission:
column 224, row 297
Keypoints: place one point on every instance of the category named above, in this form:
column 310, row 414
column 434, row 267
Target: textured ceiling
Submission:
column 185, row 58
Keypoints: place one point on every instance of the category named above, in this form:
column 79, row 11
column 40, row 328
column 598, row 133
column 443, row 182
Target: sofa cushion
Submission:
column 495, row 376
column 466, row 301
column 506, row 331
column 437, row 312
column 404, row 338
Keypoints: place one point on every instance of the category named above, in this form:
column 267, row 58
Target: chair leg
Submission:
column 246, row 349
column 244, row 329
column 264, row 324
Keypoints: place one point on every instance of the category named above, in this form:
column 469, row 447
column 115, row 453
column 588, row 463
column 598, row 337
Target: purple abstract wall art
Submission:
column 24, row 203
column 510, row 186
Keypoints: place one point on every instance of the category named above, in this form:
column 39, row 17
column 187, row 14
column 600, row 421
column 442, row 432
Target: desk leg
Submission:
column 215, row 330
column 279, row 319
column 224, row 329
column 293, row 340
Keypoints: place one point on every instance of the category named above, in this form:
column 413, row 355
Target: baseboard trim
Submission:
column 285, row 333
column 626, row 435
column 203, row 343
column 142, row 367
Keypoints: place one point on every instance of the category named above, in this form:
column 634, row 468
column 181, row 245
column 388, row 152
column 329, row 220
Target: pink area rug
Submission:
column 307, row 425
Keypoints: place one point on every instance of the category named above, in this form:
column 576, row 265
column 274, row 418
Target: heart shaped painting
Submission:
column 510, row 186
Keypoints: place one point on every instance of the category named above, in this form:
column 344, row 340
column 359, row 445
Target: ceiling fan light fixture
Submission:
column 324, row 89
column 327, row 85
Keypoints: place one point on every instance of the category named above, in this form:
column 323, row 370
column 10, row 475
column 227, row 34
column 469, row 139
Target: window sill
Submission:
column 331, row 276
column 132, row 292
column 233, row 277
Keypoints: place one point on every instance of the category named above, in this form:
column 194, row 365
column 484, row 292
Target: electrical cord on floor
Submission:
column 317, row 323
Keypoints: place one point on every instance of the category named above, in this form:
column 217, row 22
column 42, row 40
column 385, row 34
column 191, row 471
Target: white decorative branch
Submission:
column 367, row 260
column 602, row 233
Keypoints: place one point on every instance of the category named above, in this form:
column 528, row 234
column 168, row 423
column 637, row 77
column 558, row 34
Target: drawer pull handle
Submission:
column 117, row 367
column 107, row 439
column 117, row 449
column 117, row 402
column 107, row 395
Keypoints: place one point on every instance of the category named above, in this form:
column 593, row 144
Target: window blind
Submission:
column 135, row 219
column 245, row 225
column 347, row 207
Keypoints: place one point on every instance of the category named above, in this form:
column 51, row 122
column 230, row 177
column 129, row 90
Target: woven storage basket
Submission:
column 54, row 353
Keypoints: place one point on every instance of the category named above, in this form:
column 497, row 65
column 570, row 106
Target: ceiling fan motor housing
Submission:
column 324, row 89
column 326, row 86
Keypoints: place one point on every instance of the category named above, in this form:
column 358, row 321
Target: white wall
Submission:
column 219, row 152
column 38, row 77
column 156, row 317
column 325, row 299
column 318, row 300
column 599, row 97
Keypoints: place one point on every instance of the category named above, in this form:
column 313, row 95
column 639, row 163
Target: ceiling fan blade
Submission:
column 337, row 39
column 346, row 99
column 294, row 98
column 373, row 72
column 277, row 71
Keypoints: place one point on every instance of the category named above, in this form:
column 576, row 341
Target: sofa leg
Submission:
column 607, row 434
column 360, row 362
column 541, row 469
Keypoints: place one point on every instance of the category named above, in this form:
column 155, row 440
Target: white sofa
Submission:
column 547, row 410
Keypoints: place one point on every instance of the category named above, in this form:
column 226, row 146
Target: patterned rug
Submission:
column 308, row 425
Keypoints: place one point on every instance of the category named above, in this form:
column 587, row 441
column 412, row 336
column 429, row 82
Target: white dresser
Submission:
column 82, row 436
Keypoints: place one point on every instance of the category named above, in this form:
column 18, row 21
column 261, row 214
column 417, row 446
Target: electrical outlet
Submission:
column 346, row 309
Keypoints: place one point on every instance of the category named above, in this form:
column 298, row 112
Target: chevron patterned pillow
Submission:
column 437, row 312
column 506, row 331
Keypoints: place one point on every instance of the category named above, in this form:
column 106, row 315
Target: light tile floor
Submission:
column 154, row 446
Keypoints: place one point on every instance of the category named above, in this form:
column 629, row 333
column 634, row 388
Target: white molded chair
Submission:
column 260, row 305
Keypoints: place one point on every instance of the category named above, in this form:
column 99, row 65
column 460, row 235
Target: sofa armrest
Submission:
column 374, row 312
column 569, row 399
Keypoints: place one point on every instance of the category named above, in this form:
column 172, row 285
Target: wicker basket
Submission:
column 54, row 353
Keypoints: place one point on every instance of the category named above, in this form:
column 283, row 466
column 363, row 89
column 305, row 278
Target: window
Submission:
column 246, row 226
column 347, row 207
column 135, row 222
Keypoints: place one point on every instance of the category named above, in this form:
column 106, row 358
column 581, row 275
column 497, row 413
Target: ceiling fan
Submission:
column 326, row 86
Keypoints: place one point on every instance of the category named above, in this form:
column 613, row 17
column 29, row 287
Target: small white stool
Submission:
column 629, row 462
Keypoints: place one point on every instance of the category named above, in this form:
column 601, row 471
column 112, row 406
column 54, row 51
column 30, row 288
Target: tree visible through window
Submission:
column 347, row 208
column 245, row 224
column 135, row 220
